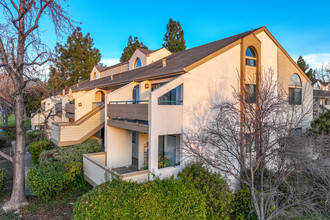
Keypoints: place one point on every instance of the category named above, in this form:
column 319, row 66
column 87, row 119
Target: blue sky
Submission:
column 302, row 27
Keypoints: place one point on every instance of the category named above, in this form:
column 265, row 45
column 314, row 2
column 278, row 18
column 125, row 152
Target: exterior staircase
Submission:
column 69, row 133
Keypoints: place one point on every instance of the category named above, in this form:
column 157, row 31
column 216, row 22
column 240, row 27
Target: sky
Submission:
column 301, row 27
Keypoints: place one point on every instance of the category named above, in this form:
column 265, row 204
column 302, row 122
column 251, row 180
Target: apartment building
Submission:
column 161, row 95
column 321, row 97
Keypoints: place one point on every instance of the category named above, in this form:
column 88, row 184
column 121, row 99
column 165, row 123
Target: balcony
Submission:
column 58, row 109
column 130, row 115
column 69, row 110
column 95, row 170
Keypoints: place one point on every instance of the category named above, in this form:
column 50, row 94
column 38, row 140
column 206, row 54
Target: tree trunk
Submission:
column 18, row 194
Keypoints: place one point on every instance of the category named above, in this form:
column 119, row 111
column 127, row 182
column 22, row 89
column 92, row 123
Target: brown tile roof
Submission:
column 113, row 66
column 100, row 68
column 145, row 51
column 175, row 64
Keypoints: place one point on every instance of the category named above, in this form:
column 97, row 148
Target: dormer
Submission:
column 143, row 57
column 96, row 72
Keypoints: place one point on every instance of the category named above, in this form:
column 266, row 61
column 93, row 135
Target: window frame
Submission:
column 251, row 61
column 248, row 94
column 295, row 91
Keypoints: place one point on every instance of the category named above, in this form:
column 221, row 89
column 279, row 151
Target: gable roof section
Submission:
column 100, row 68
column 259, row 30
column 145, row 51
column 177, row 63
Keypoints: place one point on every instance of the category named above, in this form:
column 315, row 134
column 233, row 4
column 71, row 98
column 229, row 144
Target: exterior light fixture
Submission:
column 146, row 86
column 79, row 104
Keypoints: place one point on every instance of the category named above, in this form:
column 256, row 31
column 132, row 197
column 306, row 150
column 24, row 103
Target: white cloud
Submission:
column 110, row 61
column 315, row 60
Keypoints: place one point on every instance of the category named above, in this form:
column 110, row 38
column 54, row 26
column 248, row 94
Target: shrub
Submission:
column 70, row 154
column 242, row 204
column 10, row 132
column 48, row 180
column 37, row 147
column 3, row 178
column 60, row 169
column 159, row 199
column 33, row 135
column 212, row 186
column 321, row 125
column 2, row 141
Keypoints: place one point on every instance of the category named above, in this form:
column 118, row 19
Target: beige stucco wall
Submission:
column 86, row 99
column 285, row 69
column 157, row 55
column 119, row 147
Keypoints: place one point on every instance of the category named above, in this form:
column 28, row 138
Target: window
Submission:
column 251, row 96
column 326, row 102
column 251, row 59
column 173, row 97
column 137, row 63
column 168, row 150
column 298, row 131
column 295, row 90
column 156, row 85
column 95, row 75
column 248, row 143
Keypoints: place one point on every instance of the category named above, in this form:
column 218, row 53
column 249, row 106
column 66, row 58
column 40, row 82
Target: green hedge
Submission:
column 37, row 147
column 10, row 132
column 3, row 178
column 70, row 154
column 2, row 141
column 33, row 135
column 214, row 187
column 159, row 199
column 48, row 180
column 60, row 169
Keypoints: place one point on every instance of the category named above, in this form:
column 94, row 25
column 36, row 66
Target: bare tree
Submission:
column 255, row 141
column 22, row 51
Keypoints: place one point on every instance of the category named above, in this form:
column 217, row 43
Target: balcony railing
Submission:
column 58, row 109
column 128, row 115
column 128, row 110
column 69, row 110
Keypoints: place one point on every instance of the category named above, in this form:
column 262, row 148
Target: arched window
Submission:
column 95, row 75
column 137, row 63
column 250, row 57
column 295, row 90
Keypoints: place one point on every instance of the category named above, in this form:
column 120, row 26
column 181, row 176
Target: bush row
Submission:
column 3, row 178
column 60, row 169
column 37, row 147
column 197, row 194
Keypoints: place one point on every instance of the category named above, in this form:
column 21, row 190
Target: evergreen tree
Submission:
column 75, row 59
column 132, row 45
column 305, row 68
column 174, row 37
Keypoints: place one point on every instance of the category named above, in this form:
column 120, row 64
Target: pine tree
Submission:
column 305, row 68
column 174, row 37
column 132, row 45
column 75, row 59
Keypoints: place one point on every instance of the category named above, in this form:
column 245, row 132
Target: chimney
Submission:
column 164, row 62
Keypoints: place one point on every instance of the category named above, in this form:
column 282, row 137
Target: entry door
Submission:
column 135, row 149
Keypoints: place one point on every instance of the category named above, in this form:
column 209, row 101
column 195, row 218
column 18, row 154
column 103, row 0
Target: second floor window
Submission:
column 251, row 93
column 173, row 97
column 295, row 90
column 250, row 57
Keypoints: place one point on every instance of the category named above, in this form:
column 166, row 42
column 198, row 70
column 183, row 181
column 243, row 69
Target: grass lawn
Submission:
column 11, row 121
